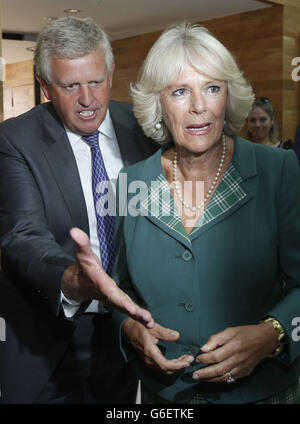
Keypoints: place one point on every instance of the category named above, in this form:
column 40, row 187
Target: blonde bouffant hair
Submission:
column 177, row 46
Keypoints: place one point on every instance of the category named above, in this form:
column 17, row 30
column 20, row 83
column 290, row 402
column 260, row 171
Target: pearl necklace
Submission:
column 176, row 183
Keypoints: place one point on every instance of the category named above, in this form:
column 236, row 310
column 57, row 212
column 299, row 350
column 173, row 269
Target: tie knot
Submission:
column 92, row 140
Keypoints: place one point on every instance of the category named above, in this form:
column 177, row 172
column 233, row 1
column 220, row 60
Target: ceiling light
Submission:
column 72, row 11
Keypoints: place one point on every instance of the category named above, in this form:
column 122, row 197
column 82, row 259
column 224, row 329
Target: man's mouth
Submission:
column 87, row 113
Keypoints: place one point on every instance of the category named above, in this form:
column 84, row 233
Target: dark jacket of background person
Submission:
column 297, row 142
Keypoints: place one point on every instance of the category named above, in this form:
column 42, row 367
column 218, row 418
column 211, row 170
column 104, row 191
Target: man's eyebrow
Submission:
column 66, row 83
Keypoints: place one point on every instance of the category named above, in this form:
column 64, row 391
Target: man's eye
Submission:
column 71, row 86
column 95, row 83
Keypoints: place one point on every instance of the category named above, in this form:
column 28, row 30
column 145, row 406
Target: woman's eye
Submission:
column 179, row 92
column 213, row 89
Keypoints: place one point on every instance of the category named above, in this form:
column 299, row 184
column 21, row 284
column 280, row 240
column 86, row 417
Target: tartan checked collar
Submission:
column 160, row 204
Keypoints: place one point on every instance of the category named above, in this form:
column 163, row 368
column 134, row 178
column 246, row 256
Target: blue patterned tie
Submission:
column 105, row 221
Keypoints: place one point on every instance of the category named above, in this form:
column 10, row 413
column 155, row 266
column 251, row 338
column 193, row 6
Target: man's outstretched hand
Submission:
column 87, row 280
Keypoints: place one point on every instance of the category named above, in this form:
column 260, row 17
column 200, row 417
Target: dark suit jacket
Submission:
column 297, row 142
column 228, row 272
column 40, row 200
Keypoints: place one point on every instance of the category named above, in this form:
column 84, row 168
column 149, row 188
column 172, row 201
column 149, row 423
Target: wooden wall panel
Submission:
column 18, row 95
column 129, row 55
column 19, row 73
column 294, row 3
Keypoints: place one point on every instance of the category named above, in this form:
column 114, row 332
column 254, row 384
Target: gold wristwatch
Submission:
column 282, row 340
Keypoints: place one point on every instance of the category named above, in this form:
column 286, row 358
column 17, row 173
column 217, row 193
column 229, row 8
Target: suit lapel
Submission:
column 61, row 161
column 127, row 133
column 125, row 139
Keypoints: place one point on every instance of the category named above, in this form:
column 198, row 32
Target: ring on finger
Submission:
column 229, row 378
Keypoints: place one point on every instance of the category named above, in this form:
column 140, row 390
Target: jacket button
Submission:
column 189, row 307
column 187, row 256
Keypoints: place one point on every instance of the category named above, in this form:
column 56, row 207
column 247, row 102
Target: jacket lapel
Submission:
column 156, row 203
column 244, row 162
column 61, row 161
column 133, row 144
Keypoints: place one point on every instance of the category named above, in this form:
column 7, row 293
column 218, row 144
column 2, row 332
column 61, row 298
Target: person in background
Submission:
column 212, row 245
column 261, row 125
column 53, row 159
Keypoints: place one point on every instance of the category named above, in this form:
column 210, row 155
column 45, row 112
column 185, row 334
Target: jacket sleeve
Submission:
column 288, row 309
column 30, row 254
column 120, row 272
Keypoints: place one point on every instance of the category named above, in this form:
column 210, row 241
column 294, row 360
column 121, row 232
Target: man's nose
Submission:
column 85, row 95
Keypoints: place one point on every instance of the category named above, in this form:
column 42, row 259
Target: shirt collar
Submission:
column 106, row 126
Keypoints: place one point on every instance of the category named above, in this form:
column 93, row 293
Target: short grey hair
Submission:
column 70, row 38
column 177, row 46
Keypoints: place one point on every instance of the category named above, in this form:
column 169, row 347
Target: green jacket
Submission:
column 228, row 272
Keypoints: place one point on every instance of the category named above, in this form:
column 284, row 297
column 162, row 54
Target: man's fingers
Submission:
column 108, row 291
column 82, row 241
column 126, row 305
column 169, row 366
column 164, row 333
column 80, row 237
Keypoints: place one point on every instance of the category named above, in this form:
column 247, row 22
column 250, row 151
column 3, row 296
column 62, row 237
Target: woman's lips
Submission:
column 199, row 129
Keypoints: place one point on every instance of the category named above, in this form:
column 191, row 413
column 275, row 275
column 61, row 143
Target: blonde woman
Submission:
column 207, row 246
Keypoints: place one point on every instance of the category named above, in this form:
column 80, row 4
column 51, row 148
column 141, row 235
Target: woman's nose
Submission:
column 198, row 104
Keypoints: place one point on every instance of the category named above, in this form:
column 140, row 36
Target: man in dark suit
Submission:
column 59, row 345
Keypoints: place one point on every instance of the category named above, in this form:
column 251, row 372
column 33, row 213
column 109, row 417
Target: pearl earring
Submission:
column 157, row 126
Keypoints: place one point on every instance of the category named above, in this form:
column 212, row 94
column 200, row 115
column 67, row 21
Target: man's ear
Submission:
column 111, row 75
column 44, row 86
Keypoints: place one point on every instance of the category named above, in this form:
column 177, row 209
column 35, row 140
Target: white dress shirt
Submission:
column 113, row 163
